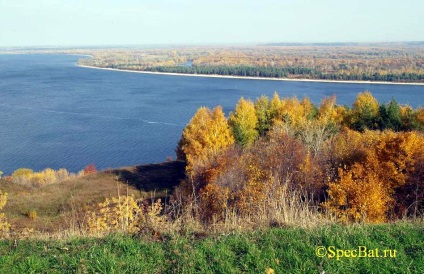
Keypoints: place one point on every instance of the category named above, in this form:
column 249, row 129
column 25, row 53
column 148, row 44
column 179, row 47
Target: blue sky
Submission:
column 131, row 22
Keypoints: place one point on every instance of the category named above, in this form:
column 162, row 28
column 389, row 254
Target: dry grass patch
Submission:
column 62, row 206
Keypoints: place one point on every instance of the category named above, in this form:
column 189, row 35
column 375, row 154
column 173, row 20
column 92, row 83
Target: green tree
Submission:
column 390, row 116
column 408, row 119
column 262, row 113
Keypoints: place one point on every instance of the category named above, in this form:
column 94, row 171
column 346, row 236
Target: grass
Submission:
column 58, row 204
column 288, row 250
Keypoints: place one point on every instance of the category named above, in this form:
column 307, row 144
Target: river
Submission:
column 56, row 114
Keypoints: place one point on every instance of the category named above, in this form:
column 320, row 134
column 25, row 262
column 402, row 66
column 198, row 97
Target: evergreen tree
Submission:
column 390, row 116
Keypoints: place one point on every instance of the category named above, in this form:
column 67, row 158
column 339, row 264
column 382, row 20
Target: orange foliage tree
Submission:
column 399, row 161
column 378, row 165
column 359, row 195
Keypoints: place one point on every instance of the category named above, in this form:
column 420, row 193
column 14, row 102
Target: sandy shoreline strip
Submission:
column 255, row 78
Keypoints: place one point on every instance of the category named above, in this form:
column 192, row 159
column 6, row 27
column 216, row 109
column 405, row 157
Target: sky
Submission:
column 25, row 23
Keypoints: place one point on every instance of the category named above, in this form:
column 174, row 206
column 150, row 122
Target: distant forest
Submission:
column 391, row 62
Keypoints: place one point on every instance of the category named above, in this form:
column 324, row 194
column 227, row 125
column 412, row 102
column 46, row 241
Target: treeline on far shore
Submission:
column 288, row 72
column 379, row 62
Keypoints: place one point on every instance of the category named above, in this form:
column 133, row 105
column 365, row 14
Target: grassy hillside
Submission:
column 289, row 250
column 62, row 205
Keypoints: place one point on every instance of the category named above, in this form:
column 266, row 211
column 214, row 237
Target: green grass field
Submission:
column 282, row 250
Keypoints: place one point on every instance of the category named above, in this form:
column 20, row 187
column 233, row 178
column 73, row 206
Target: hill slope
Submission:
column 62, row 204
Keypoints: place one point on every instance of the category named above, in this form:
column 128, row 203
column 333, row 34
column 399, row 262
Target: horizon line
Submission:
column 335, row 43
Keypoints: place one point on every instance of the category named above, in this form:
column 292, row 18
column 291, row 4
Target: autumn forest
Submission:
column 389, row 62
column 357, row 164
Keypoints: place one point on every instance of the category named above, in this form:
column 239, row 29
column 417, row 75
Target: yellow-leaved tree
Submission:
column 275, row 111
column 294, row 112
column 205, row 135
column 364, row 112
column 243, row 122
column 327, row 112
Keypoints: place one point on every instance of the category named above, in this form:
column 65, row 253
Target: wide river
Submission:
column 56, row 114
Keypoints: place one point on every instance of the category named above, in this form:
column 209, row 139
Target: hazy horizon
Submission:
column 141, row 46
column 64, row 23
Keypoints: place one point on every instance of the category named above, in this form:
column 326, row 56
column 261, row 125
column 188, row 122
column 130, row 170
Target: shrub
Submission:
column 120, row 213
column 358, row 196
column 22, row 176
column 4, row 225
column 241, row 180
column 32, row 214
column 25, row 176
column 125, row 214
column 48, row 176
column 90, row 169
column 62, row 175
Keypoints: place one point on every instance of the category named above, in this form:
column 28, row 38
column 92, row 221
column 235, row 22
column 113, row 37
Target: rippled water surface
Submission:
column 56, row 114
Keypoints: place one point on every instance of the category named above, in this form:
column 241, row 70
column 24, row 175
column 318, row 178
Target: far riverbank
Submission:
column 257, row 78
